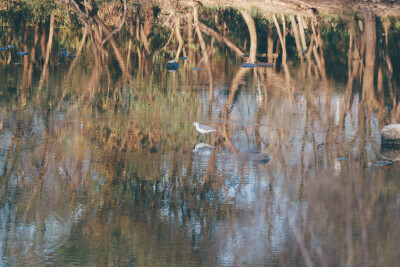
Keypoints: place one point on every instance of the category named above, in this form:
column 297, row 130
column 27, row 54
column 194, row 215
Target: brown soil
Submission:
column 381, row 8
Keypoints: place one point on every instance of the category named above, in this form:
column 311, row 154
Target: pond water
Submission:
column 100, row 163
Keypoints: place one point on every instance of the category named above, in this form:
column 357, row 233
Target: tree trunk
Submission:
column 270, row 44
column 220, row 38
column 203, row 47
column 296, row 37
column 282, row 35
column 253, row 35
column 178, row 36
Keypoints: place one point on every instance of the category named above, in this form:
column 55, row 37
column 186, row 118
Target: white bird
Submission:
column 203, row 128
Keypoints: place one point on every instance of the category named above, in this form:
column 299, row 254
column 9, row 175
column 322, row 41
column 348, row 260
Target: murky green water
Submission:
column 99, row 165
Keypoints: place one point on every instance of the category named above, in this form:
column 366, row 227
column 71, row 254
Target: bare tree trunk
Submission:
column 318, row 50
column 296, row 37
column 282, row 35
column 302, row 33
column 144, row 39
column 220, row 38
column 203, row 47
column 253, row 35
column 33, row 54
column 368, row 93
column 25, row 58
column 386, row 26
column 190, row 28
column 117, row 53
column 49, row 46
column 137, row 15
column 131, row 24
column 178, row 36
column 270, row 44
column 353, row 70
column 43, row 41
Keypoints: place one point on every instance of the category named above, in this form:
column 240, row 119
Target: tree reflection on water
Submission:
column 97, row 151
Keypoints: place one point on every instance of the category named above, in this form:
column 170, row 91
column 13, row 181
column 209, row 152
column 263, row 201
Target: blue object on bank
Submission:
column 62, row 54
column 248, row 65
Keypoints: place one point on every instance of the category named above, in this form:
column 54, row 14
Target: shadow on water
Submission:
column 101, row 164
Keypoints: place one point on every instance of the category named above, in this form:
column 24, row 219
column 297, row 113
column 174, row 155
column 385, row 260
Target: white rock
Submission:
column 391, row 134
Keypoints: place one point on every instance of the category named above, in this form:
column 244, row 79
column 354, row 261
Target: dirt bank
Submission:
column 381, row 8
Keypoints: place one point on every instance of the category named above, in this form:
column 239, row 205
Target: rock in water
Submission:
column 389, row 154
column 390, row 134
column 171, row 65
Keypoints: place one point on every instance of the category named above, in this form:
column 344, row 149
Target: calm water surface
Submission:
column 98, row 164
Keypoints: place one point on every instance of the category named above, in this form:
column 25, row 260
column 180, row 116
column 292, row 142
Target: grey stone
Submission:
column 390, row 134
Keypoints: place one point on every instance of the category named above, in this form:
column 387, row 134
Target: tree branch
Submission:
column 120, row 26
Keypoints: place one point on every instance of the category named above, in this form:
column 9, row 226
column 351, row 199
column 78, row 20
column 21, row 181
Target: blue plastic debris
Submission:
column 62, row 53
column 3, row 48
column 379, row 165
column 22, row 53
column 248, row 65
column 246, row 55
column 183, row 57
column 196, row 68
column 341, row 158
column 10, row 46
column 385, row 162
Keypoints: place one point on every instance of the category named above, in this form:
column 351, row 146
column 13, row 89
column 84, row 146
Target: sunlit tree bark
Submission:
column 178, row 36
column 270, row 44
column 203, row 47
column 253, row 35
column 221, row 38
column 282, row 35
column 49, row 46
column 368, row 94
column 296, row 37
